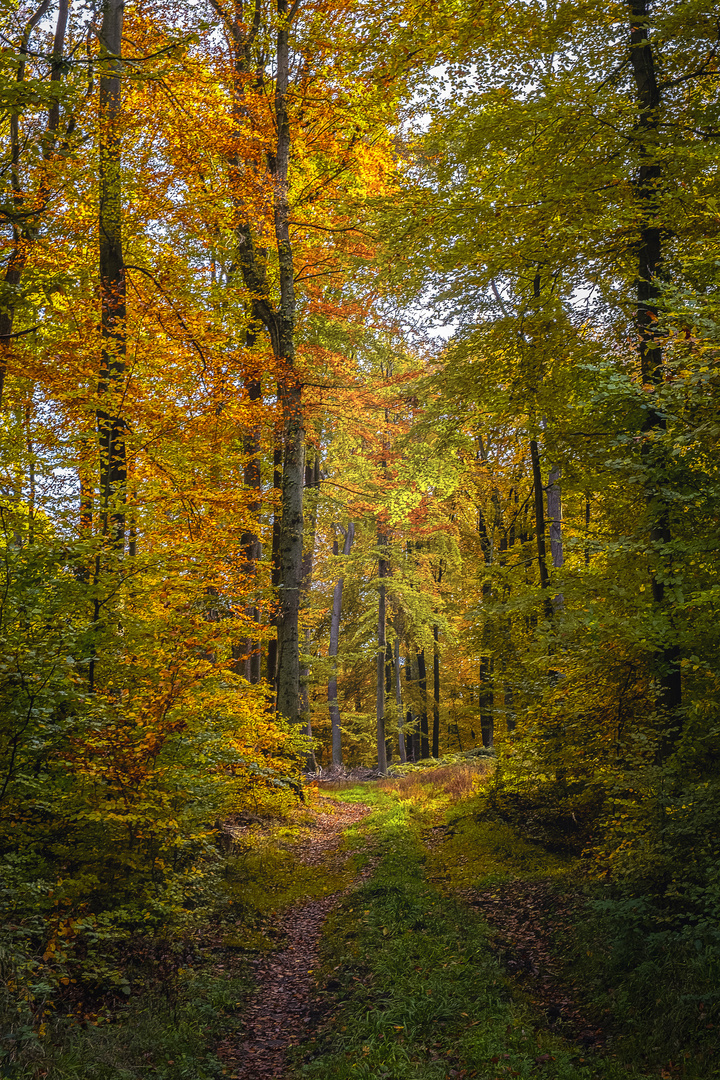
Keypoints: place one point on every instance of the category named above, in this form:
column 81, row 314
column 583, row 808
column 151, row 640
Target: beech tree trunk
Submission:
column 554, row 517
column 666, row 658
column 271, row 670
column 422, row 683
column 335, row 616
column 291, row 525
column 381, row 644
column 279, row 323
column 399, row 703
column 436, row 695
column 412, row 734
column 540, row 527
column 486, row 702
column 249, row 654
column 486, row 693
column 312, row 483
column 24, row 229
column 110, row 425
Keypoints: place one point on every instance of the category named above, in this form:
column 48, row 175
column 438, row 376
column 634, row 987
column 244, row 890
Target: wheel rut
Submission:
column 280, row 1012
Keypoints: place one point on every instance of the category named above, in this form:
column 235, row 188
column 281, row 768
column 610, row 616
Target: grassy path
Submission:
column 410, row 986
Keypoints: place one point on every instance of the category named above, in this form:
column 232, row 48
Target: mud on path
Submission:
column 280, row 1012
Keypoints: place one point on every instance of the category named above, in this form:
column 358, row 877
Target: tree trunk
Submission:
column 485, row 689
column 333, row 650
column 422, row 683
column 291, row 538
column 540, row 527
column 291, row 525
column 412, row 734
column 275, row 567
column 398, row 702
column 509, row 705
column 554, row 516
column 24, row 235
column 436, row 695
column 666, row 658
column 381, row 643
column 486, row 702
column 312, row 482
column 249, row 654
column 279, row 323
column 110, row 425
column 388, row 692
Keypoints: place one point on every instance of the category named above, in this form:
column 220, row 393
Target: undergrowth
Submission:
column 127, row 996
column 644, row 952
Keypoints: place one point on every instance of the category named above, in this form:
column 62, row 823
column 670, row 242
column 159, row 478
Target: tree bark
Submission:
column 666, row 658
column 275, row 567
column 24, row 235
column 291, row 525
column 279, row 323
column 486, row 701
column 554, row 516
column 388, row 692
column 509, row 707
column 381, row 644
column 110, row 424
column 540, row 527
column 422, row 683
column 399, row 703
column 249, row 654
column 335, row 616
column 436, row 695
column 312, row 482
column 486, row 693
column 412, row 734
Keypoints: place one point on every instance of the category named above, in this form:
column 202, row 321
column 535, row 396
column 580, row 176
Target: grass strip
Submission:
column 411, row 987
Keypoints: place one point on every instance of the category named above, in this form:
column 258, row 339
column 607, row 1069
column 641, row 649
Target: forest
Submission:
column 359, row 537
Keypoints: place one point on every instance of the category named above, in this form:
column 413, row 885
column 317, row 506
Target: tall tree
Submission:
column 276, row 316
column 113, row 288
column 648, row 192
column 381, row 650
column 27, row 211
column 335, row 615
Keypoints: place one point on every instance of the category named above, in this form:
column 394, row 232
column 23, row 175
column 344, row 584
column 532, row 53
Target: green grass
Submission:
column 479, row 852
column 412, row 988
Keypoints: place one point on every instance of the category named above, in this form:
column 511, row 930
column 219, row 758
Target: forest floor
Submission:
column 440, row 959
column 386, row 931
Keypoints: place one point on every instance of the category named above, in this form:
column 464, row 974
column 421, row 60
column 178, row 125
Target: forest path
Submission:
column 281, row 1011
column 409, row 986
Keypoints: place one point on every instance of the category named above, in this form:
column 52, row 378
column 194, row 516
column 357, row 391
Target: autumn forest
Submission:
column 359, row 523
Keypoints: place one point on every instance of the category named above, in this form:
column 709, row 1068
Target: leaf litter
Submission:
column 281, row 1011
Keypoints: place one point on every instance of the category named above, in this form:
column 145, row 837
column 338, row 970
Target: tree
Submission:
column 336, row 733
